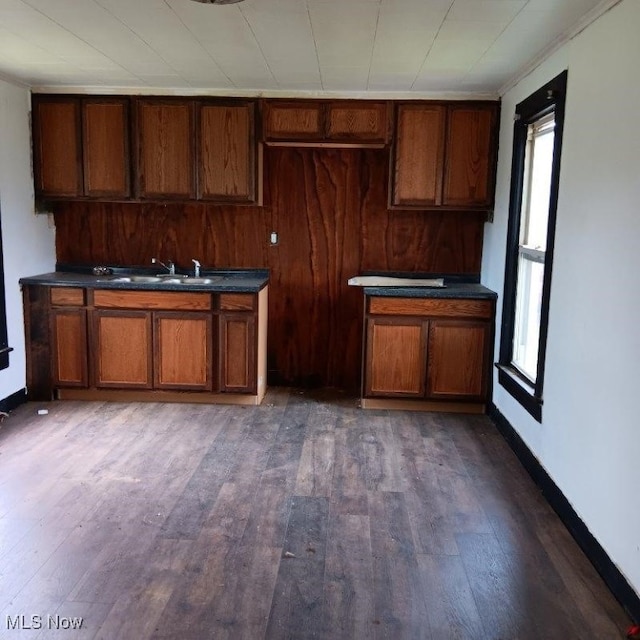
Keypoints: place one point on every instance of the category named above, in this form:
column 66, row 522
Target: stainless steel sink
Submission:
column 191, row 280
column 142, row 279
column 163, row 279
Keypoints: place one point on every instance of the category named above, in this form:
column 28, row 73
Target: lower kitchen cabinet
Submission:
column 122, row 349
column 237, row 342
column 183, row 351
column 69, row 345
column 434, row 353
column 396, row 352
column 103, row 344
column 237, row 353
column 458, row 358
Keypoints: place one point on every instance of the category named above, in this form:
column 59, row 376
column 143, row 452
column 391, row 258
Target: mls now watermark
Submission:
column 42, row 622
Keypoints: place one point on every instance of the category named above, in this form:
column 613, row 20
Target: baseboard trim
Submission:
column 409, row 404
column 154, row 395
column 612, row 576
column 13, row 401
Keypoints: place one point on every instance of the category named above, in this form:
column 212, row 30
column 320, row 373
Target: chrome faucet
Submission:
column 170, row 267
column 196, row 268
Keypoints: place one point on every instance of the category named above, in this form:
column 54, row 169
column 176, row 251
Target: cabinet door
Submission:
column 237, row 353
column 293, row 121
column 416, row 173
column 227, row 158
column 105, row 127
column 69, row 341
column 395, row 357
column 470, row 156
column 358, row 122
column 183, row 351
column 166, row 151
column 122, row 349
column 57, row 147
column 458, row 356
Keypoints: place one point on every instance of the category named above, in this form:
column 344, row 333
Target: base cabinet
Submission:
column 457, row 362
column 183, row 351
column 432, row 350
column 67, row 335
column 69, row 343
column 237, row 353
column 396, row 351
column 146, row 344
column 122, row 349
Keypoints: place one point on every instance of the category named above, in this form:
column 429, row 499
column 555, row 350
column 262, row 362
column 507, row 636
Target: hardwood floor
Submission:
column 302, row 518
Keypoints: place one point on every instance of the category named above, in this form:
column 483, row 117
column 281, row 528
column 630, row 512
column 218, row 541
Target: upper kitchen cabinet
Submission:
column 443, row 156
column 228, row 168
column 182, row 143
column 57, row 147
column 81, row 147
column 330, row 123
column 357, row 122
column 470, row 156
column 165, row 149
column 287, row 121
column 177, row 149
column 417, row 155
column 105, row 145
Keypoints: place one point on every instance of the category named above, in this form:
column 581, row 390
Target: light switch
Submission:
column 274, row 237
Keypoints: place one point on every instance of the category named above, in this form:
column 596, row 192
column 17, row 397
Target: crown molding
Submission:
column 257, row 93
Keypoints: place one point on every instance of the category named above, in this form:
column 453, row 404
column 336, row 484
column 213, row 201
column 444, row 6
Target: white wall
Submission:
column 589, row 439
column 28, row 240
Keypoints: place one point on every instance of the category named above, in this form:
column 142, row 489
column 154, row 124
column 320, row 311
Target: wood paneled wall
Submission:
column 329, row 207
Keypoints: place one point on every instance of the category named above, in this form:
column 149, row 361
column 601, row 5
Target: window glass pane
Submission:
column 540, row 164
column 534, row 218
column 526, row 335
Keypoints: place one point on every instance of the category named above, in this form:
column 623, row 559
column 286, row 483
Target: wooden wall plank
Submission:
column 329, row 207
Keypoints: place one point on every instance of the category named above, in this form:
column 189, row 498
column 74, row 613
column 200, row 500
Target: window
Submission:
column 535, row 171
column 4, row 345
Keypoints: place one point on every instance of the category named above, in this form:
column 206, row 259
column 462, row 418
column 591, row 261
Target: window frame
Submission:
column 549, row 98
column 5, row 349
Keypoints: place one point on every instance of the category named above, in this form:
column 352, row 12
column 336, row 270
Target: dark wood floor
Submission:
column 302, row 518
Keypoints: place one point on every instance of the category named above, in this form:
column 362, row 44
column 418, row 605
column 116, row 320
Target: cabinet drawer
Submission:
column 236, row 302
column 434, row 307
column 152, row 300
column 67, row 296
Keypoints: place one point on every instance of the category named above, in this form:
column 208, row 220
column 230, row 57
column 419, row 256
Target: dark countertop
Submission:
column 455, row 286
column 227, row 280
column 450, row 290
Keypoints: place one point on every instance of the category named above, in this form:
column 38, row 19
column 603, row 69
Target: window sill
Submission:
column 4, row 357
column 521, row 390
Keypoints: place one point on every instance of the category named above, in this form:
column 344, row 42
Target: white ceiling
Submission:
column 273, row 47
